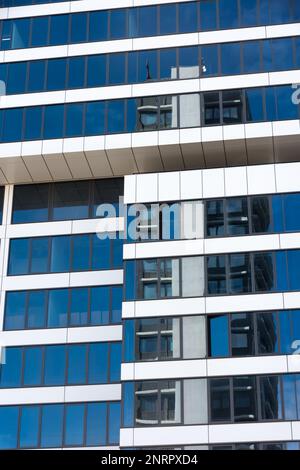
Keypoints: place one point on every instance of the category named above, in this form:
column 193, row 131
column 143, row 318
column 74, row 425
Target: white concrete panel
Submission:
column 127, row 371
column 130, row 189
column 191, row 185
column 247, row 365
column 287, row 177
column 95, row 333
column 96, row 156
column 37, row 168
column 20, row 396
column 83, row 393
column 234, row 81
column 171, row 435
column 291, row 299
column 261, row 179
column 39, row 229
column 231, row 35
column 241, row 244
column 14, row 170
column 169, row 307
column 235, row 181
column 244, row 303
column 30, row 337
column 166, row 248
column 128, row 309
column 258, row 130
column 169, row 186
column 286, row 128
column 126, row 437
column 96, row 278
column 282, row 30
column 170, row 369
column 213, row 183
column 36, row 281
column 296, row 430
column 109, row 224
column 129, row 251
column 250, row 432
column 147, row 187
column 289, row 240
column 294, row 361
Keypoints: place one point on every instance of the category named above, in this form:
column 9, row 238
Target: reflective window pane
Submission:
column 100, row 305
column 77, row 364
column 9, row 427
column 36, row 309
column 29, row 426
column 60, row 254
column 15, row 310
column 55, row 365
column 33, row 360
column 52, row 425
column 96, row 424
column 74, row 432
column 98, row 363
column 30, row 203
column 58, row 308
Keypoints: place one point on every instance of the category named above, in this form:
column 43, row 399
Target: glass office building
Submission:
column 150, row 221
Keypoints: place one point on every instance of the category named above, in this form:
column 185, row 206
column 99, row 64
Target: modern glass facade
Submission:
column 149, row 224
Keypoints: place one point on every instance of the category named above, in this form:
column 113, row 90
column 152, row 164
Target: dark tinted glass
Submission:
column 30, row 203
column 70, row 200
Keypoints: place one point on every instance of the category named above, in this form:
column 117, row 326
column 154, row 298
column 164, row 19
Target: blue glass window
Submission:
column 130, row 279
column 11, row 371
column 78, row 28
column 218, row 336
column 55, row 365
column 79, row 306
column 254, row 104
column 33, row 360
column 60, row 254
column 114, row 423
column 74, row 425
column 29, row 426
column 76, row 75
column 208, row 15
column 270, row 104
column 96, row 424
column 95, row 118
column 74, row 120
column 251, row 57
column 12, row 125
column 54, row 122
column 167, row 19
column 115, row 113
column 116, row 314
column 81, row 253
column 129, row 340
column 52, row 425
column 36, row 309
column 289, row 397
column 98, row 363
column 231, row 59
column 56, row 74
column 77, row 364
column 16, row 78
column 39, row 31
column 33, row 124
column 101, row 253
column 117, row 69
column 147, row 21
column 293, row 258
column 59, row 28
column 70, row 200
column 209, row 60
column 279, row 12
column 282, row 54
column 115, row 361
column 58, row 308
column 147, row 69
column 291, row 208
column 9, row 417
column 20, row 33
column 99, row 306
column 96, row 70
column 15, row 310
column 39, row 255
column 286, row 109
column 228, row 14
column 19, row 256
column 128, row 404
column 249, row 12
column 168, row 64
column 98, row 25
column 117, row 261
column 118, row 23
column 188, row 17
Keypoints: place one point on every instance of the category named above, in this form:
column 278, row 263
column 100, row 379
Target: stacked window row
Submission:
column 152, row 65
column 149, row 113
column 59, row 425
column 62, row 308
column 145, row 21
column 222, row 335
column 66, row 201
column 236, row 216
column 217, row 400
column 57, row 365
column 64, row 253
column 232, row 274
